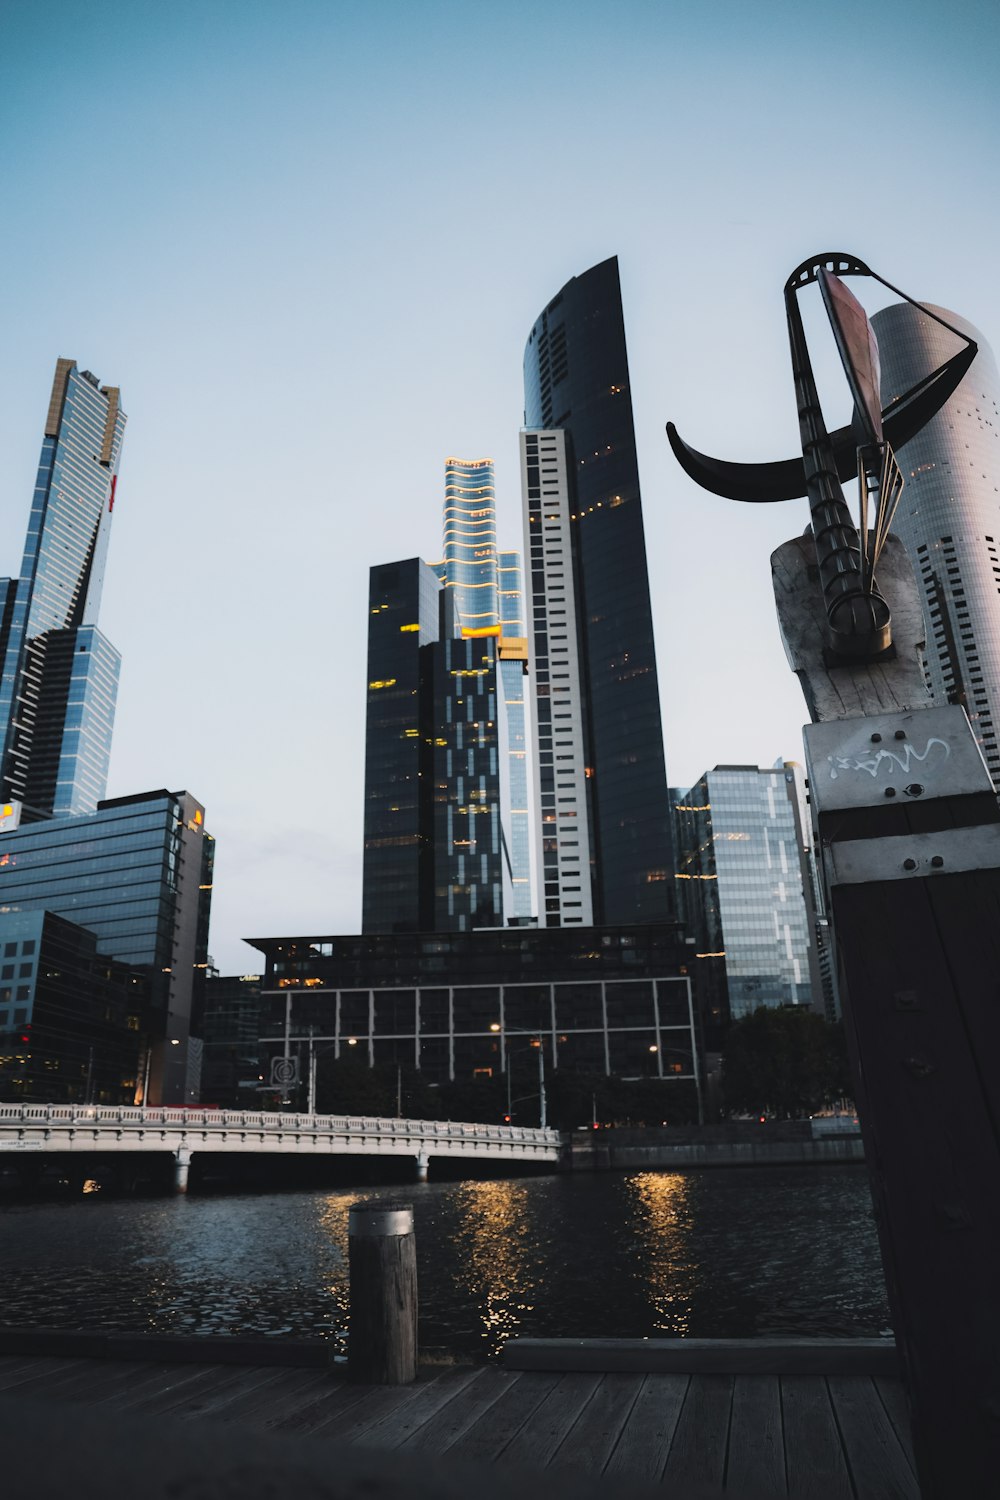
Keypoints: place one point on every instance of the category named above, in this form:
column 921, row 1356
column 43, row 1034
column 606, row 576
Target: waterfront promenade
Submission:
column 194, row 1429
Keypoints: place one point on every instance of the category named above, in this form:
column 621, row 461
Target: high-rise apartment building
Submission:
column 949, row 514
column 433, row 851
column 576, row 382
column 59, row 675
column 747, row 892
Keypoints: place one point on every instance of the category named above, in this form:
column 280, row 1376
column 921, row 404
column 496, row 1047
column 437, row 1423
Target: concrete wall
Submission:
column 736, row 1143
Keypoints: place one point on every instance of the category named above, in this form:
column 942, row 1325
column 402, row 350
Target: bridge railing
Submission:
column 107, row 1117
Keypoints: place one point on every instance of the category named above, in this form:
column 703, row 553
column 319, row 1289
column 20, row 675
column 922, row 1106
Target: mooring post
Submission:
column 382, row 1342
column 182, row 1167
column 909, row 843
column 423, row 1162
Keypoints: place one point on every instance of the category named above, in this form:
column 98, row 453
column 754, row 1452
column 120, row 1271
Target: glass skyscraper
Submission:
column 949, row 514
column 137, row 874
column 59, row 675
column 747, row 892
column 432, row 803
column 486, row 585
column 576, row 380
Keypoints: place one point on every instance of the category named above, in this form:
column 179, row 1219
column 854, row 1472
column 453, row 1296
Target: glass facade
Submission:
column 138, row 875
column 949, row 514
column 469, row 566
column 512, row 683
column 72, row 1021
column 576, row 379
column 601, row 1000
column 56, row 712
column 746, row 892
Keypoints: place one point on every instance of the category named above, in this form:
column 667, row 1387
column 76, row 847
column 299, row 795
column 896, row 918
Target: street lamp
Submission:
column 506, row 1031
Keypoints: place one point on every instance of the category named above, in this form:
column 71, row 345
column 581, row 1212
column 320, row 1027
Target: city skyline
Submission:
column 288, row 176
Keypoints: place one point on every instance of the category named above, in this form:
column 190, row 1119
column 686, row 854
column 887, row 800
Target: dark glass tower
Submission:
column 432, row 785
column 59, row 675
column 576, row 379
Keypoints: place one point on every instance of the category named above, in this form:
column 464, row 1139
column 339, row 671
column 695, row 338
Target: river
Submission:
column 721, row 1253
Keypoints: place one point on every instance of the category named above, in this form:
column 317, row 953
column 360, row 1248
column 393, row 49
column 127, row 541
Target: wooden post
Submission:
column 909, row 839
column 382, row 1341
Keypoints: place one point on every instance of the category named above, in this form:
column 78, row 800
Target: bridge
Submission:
column 96, row 1129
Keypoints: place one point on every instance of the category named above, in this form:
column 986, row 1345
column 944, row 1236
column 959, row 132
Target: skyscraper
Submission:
column 486, row 585
column 59, row 675
column 747, row 892
column 949, row 514
column 576, row 381
column 432, row 803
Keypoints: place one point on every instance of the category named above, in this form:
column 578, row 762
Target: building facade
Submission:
column 604, row 1001
column 949, row 514
column 232, row 1072
column 433, row 851
column 72, row 1020
column 137, row 873
column 747, row 892
column 59, row 675
column 576, row 381
column 565, row 857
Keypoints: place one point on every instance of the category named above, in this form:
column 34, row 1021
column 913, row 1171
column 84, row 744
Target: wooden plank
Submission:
column 815, row 1463
column 209, row 1401
column 132, row 1381
column 490, row 1433
column 351, row 1423
column 446, row 1427
column 892, row 1394
column 706, row 1356
column 697, row 1454
column 404, row 1421
column 879, row 1467
column 756, row 1462
column 594, row 1435
column 292, row 1390
column 538, row 1440
column 175, row 1384
column 642, row 1449
column 312, row 1415
column 26, row 1379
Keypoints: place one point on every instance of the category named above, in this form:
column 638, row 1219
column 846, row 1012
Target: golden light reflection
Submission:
column 499, row 1268
column 662, row 1207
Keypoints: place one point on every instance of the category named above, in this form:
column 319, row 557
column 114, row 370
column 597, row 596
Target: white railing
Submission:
column 203, row 1121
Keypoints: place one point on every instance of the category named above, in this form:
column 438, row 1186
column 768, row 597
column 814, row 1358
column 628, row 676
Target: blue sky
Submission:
column 309, row 239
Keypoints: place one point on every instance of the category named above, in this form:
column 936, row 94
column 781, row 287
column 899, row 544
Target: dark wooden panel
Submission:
column 538, row 1440
column 756, row 1463
column 697, row 1454
column 406, row 1420
column 27, row 1378
column 893, row 1397
column 707, row 1356
column 446, row 1427
column 815, row 1463
column 880, row 1468
column 291, row 1390
column 490, row 1433
column 380, row 1401
column 313, row 1414
column 642, row 1449
column 593, row 1437
column 186, row 1387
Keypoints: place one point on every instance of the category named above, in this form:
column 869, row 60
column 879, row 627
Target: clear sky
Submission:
column 308, row 239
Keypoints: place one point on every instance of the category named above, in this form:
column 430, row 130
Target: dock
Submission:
column 193, row 1426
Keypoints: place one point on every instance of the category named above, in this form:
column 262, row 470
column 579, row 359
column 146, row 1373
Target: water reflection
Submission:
column 662, row 1223
column 725, row 1253
column 497, row 1266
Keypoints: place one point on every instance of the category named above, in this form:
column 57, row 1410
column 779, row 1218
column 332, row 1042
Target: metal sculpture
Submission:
column 858, row 617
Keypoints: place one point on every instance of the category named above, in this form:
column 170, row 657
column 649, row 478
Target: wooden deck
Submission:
column 842, row 1437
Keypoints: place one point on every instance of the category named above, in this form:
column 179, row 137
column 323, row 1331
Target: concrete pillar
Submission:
column 423, row 1162
column 182, row 1164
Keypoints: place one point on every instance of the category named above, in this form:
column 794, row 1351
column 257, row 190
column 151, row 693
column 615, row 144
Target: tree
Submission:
column 785, row 1062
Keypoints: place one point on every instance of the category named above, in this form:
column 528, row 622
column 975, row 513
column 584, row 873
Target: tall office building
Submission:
column 576, row 382
column 488, row 599
column 137, row 874
column 433, row 848
column 949, row 514
column 59, row 675
column 747, row 892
